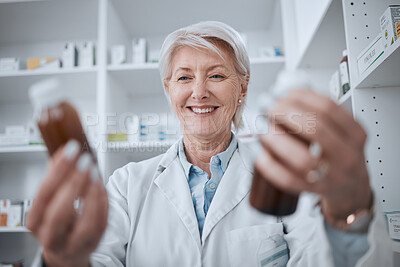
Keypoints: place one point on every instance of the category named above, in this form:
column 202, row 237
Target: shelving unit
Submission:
column 18, row 229
column 326, row 28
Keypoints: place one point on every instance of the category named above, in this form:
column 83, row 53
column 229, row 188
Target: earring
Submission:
column 240, row 101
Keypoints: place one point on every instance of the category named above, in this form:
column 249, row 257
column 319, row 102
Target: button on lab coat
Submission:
column 152, row 221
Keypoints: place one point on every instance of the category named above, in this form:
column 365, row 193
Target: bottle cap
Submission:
column 46, row 93
column 345, row 53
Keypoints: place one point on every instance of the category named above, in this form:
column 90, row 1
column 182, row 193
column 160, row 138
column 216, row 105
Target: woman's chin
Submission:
column 203, row 131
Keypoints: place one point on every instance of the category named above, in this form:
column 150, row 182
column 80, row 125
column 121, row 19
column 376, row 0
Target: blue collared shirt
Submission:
column 201, row 186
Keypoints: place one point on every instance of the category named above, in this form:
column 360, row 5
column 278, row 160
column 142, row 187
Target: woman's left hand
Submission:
column 304, row 117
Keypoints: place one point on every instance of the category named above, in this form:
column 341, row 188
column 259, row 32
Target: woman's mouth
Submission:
column 203, row 110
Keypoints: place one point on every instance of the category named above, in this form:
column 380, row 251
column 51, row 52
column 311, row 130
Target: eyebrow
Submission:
column 208, row 69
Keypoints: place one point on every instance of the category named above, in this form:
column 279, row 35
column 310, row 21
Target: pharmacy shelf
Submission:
column 31, row 153
column 384, row 72
column 22, row 149
column 18, row 229
column 324, row 48
column 47, row 72
column 14, row 85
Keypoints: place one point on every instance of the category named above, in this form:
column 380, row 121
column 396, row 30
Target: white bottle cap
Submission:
column 46, row 93
column 344, row 53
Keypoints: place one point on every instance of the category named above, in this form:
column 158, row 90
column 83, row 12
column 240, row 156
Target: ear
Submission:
column 166, row 86
column 244, row 85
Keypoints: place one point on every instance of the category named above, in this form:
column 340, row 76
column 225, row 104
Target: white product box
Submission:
column 87, row 53
column 139, row 51
column 390, row 25
column 334, row 86
column 118, row 54
column 70, row 56
column 370, row 54
column 10, row 64
column 14, row 217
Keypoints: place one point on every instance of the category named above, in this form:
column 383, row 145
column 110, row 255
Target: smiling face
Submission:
column 204, row 90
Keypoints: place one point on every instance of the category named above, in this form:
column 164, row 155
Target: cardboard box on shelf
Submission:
column 87, row 55
column 9, row 64
column 43, row 63
column 118, row 55
column 390, row 25
column 69, row 56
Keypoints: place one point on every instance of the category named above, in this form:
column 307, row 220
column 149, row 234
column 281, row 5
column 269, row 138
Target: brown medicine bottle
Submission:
column 264, row 196
column 58, row 121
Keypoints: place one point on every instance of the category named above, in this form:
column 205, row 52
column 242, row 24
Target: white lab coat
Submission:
column 152, row 221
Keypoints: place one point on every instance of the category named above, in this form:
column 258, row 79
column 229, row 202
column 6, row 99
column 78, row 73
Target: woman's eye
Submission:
column 183, row 78
column 216, row 76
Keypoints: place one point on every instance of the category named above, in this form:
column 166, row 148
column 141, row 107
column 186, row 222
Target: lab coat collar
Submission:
column 172, row 182
column 231, row 191
column 234, row 186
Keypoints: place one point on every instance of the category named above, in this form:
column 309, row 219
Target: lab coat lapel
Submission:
column 173, row 183
column 234, row 186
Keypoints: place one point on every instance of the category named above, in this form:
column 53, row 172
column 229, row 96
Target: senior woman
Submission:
column 190, row 206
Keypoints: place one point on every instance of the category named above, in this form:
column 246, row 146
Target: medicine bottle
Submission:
column 3, row 213
column 344, row 73
column 264, row 196
column 58, row 121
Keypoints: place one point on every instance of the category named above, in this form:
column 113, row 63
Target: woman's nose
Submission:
column 200, row 90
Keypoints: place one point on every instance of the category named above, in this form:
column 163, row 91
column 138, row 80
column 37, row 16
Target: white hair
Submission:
column 206, row 35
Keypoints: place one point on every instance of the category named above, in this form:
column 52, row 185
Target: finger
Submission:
column 60, row 165
column 292, row 152
column 93, row 221
column 58, row 218
column 338, row 116
column 298, row 121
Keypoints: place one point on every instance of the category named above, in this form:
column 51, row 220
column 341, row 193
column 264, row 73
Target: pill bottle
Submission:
column 57, row 119
column 265, row 196
column 3, row 213
column 344, row 73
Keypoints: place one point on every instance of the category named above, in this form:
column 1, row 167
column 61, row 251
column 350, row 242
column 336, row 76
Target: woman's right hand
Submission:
column 68, row 236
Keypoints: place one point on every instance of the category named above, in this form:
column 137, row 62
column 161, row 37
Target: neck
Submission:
column 199, row 150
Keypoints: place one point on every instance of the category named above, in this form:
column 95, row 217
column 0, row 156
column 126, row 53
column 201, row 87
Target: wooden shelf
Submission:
column 384, row 72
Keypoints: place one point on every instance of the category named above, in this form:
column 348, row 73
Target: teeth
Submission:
column 204, row 110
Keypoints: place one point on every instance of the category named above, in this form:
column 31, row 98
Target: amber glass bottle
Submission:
column 264, row 196
column 58, row 121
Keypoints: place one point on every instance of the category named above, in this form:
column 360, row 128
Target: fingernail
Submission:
column 84, row 162
column 94, row 174
column 71, row 149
